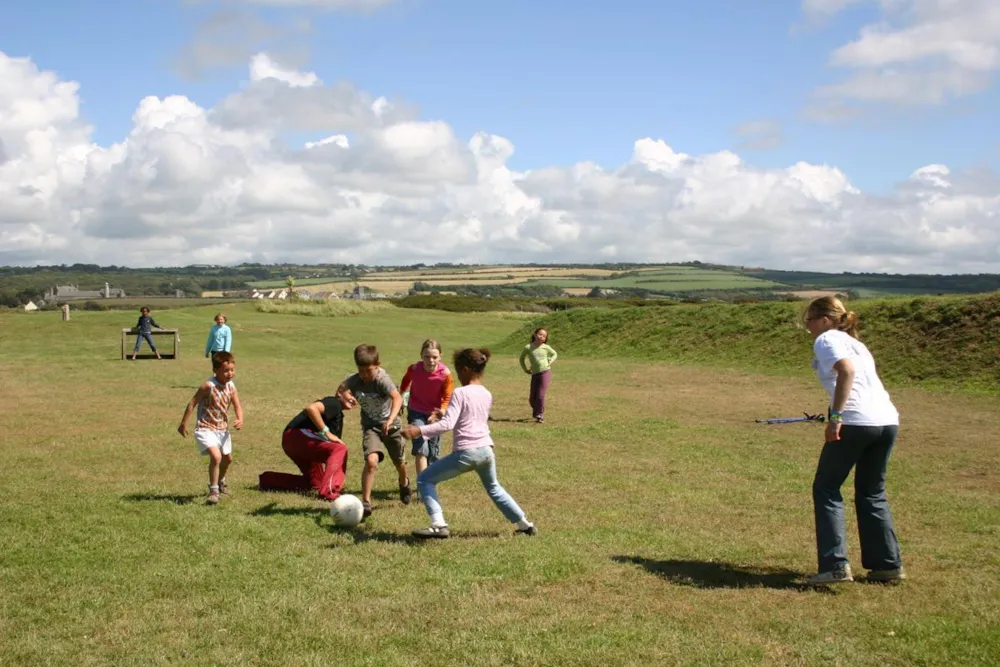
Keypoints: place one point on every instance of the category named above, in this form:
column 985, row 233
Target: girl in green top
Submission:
column 539, row 356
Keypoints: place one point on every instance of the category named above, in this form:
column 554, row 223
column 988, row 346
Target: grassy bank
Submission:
column 940, row 342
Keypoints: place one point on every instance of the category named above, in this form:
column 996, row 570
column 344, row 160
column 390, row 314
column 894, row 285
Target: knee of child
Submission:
column 371, row 463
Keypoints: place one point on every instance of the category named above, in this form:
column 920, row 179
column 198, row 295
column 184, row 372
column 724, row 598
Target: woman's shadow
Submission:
column 709, row 574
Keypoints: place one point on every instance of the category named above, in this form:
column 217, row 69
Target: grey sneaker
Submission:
column 433, row 532
column 213, row 498
column 223, row 487
column 886, row 575
column 405, row 493
column 530, row 531
column 838, row 576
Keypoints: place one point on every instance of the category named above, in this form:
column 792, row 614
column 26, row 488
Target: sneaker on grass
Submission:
column 839, row 575
column 433, row 532
column 886, row 575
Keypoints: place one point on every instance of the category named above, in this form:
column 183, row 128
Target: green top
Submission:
column 540, row 357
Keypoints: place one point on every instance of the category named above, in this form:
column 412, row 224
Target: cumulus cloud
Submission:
column 380, row 184
column 919, row 52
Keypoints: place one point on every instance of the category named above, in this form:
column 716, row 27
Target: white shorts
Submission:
column 206, row 437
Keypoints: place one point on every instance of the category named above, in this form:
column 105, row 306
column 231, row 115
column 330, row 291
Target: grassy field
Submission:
column 673, row 529
column 670, row 278
column 673, row 279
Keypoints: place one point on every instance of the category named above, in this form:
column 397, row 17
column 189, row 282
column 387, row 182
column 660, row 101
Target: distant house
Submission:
column 72, row 292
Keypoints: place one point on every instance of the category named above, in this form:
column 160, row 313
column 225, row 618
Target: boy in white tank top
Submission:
column 211, row 431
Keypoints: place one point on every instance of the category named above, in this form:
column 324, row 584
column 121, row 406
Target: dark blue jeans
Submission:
column 867, row 448
column 149, row 339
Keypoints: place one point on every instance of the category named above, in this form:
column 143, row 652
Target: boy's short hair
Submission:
column 365, row 355
column 220, row 358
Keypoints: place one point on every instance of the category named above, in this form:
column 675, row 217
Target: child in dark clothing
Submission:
column 144, row 329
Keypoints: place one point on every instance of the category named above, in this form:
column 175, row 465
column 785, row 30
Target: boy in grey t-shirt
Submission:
column 381, row 427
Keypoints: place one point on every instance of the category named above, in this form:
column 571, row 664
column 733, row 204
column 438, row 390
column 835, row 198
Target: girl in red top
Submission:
column 430, row 384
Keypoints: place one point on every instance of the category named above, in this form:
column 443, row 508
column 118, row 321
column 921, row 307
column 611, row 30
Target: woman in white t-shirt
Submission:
column 860, row 433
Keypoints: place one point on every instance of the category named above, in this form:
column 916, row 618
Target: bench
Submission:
column 128, row 342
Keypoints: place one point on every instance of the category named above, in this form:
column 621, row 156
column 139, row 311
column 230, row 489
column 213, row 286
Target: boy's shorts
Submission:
column 206, row 437
column 373, row 442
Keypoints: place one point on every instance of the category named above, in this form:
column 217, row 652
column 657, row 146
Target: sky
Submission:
column 834, row 135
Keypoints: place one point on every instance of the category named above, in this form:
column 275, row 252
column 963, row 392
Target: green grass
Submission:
column 674, row 279
column 674, row 530
column 947, row 343
column 333, row 308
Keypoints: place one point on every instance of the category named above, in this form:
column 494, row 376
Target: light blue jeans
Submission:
column 480, row 459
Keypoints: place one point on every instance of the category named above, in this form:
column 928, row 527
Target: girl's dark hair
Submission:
column 535, row 332
column 472, row 359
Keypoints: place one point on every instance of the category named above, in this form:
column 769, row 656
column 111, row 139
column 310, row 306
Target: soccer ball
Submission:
column 347, row 511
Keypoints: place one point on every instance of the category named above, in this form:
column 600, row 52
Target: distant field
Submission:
column 679, row 279
column 575, row 281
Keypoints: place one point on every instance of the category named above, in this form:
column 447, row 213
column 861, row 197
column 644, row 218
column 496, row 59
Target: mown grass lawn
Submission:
column 674, row 530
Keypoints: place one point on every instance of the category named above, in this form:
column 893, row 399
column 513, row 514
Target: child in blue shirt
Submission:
column 220, row 337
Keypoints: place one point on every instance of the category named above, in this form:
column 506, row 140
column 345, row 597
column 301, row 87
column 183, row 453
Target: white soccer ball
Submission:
column 347, row 511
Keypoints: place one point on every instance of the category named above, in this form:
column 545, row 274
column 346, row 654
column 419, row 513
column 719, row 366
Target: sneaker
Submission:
column 886, row 575
column 405, row 494
column 433, row 532
column 366, row 510
column 539, row 420
column 213, row 498
column 223, row 488
column 838, row 576
column 529, row 531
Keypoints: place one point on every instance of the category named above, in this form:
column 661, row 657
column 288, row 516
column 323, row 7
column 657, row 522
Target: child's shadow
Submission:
column 707, row 574
column 388, row 495
column 175, row 498
column 512, row 420
column 272, row 509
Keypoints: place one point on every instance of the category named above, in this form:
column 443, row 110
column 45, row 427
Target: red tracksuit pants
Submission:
column 323, row 465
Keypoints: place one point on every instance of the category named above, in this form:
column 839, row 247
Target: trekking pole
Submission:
column 788, row 420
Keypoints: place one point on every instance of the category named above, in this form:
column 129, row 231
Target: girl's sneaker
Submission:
column 433, row 532
column 530, row 531
column 223, row 488
column 213, row 498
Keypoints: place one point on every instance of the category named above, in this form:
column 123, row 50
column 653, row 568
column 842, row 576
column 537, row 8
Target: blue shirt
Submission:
column 220, row 339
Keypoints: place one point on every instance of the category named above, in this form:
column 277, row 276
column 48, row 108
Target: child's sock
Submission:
column 213, row 487
column 437, row 520
column 524, row 524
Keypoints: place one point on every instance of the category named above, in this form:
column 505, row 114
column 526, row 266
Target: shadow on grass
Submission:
column 175, row 498
column 360, row 536
column 706, row 574
column 512, row 420
column 272, row 509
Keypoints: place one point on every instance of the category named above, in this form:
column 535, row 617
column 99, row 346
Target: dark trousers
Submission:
column 148, row 338
column 539, row 387
column 323, row 465
column 867, row 449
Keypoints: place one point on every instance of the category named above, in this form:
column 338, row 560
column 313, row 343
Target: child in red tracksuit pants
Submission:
column 312, row 441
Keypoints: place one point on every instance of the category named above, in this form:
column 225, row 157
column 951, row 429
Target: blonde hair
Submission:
column 222, row 315
column 832, row 307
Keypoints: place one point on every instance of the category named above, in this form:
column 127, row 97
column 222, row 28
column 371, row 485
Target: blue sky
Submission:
column 564, row 81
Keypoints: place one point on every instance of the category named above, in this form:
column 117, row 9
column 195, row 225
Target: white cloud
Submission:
column 920, row 52
column 189, row 184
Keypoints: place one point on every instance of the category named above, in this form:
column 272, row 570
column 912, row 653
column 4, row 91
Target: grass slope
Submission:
column 944, row 342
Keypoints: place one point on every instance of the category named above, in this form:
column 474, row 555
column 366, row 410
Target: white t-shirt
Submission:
column 868, row 404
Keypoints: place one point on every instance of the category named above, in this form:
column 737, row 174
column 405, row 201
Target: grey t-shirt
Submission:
column 374, row 398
